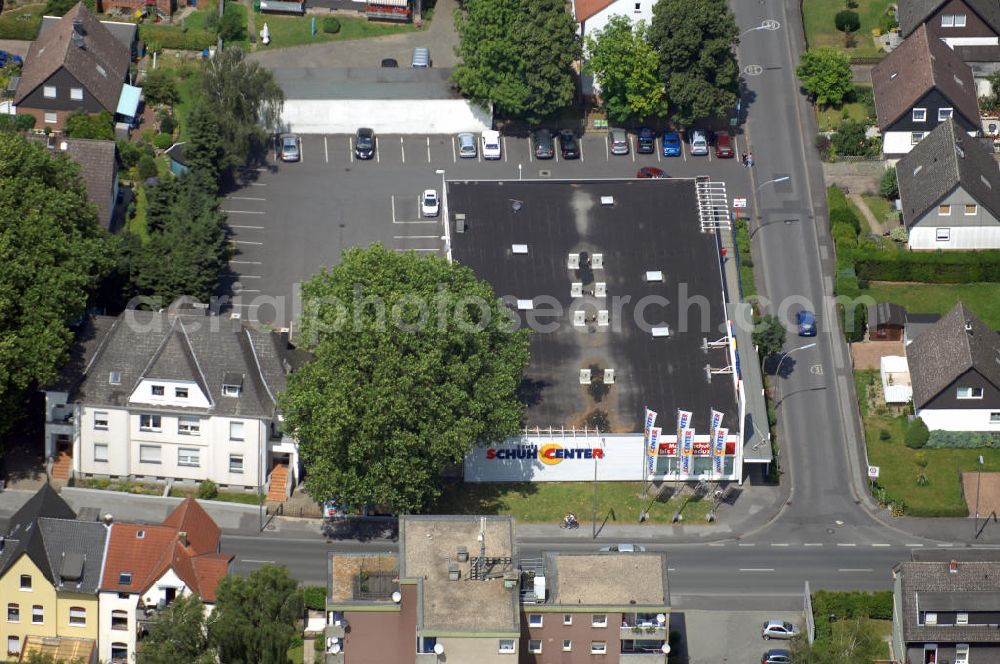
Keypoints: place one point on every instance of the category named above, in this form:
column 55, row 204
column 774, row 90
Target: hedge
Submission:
column 962, row 439
column 916, row 435
column 169, row 36
column 851, row 604
column 314, row 597
column 963, row 267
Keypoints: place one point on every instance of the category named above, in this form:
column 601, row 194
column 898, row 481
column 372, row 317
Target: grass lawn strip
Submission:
column 288, row 31
column 878, row 206
column 821, row 31
column 830, row 118
column 981, row 298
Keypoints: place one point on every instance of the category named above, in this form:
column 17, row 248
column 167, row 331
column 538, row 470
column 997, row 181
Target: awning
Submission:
column 282, row 6
column 128, row 102
column 389, row 3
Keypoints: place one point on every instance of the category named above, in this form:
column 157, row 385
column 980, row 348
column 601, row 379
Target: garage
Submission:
column 389, row 100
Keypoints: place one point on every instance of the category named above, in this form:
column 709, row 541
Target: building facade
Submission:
column 955, row 22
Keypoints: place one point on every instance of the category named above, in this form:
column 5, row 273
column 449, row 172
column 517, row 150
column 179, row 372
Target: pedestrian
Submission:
column 750, row 159
column 745, row 160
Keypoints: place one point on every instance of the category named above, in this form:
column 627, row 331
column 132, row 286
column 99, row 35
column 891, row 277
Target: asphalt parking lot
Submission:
column 728, row 637
column 289, row 220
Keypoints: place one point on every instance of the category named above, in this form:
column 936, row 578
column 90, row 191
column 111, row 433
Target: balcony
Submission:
column 644, row 632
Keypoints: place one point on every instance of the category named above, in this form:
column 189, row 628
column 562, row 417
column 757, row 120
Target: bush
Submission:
column 314, row 597
column 130, row 153
column 916, row 434
column 331, row 25
column 824, row 147
column 850, row 604
column 953, row 267
column 212, row 20
column 80, row 124
column 160, row 87
column 20, row 122
column 847, row 21
column 147, row 167
column 163, row 141
column 850, row 140
column 207, row 489
column 920, row 458
column 888, row 22
column 922, row 480
column 888, row 186
column 884, row 434
column 899, row 234
column 167, row 123
column 231, row 25
column 962, row 439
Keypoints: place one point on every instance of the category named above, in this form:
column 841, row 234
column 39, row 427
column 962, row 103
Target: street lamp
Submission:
column 787, row 222
column 783, row 178
column 979, row 475
column 766, row 24
column 777, row 370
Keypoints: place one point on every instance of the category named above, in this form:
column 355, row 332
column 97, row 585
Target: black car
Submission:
column 364, row 143
column 568, row 146
column 647, row 141
column 389, row 62
column 545, row 147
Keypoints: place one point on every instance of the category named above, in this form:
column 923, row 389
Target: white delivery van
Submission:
column 491, row 144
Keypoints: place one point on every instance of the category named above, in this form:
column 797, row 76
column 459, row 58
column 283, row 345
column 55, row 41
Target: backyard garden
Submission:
column 851, row 26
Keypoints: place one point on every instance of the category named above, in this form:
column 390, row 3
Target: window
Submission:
column 506, row 646
column 13, row 646
column 944, row 210
column 535, row 619
column 13, row 613
column 37, row 614
column 52, row 118
column 638, row 6
column 962, row 619
column 599, row 620
column 119, row 620
column 598, row 647
column 149, row 423
column 115, row 377
column 535, row 646
column 944, row 114
column 76, row 94
column 567, row 618
column 961, row 653
column 125, row 578
column 969, row 393
column 119, row 652
column 942, row 234
column 953, row 20
column 567, row 645
column 149, row 454
column 995, row 417
column 101, row 420
column 236, row 463
column 189, row 456
column 230, row 390
column 100, row 451
column 235, row 431
column 189, row 426
column 123, row 595
column 49, row 92
column 920, row 115
column 916, row 137
column 930, row 618
column 25, row 582
column 971, row 209
column 77, row 616
column 181, row 392
column 157, row 390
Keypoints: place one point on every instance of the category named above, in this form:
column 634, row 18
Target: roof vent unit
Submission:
column 579, row 318
column 78, row 25
column 539, row 587
column 78, row 40
column 573, row 262
column 600, row 289
column 958, row 80
column 453, row 572
column 918, row 169
column 397, row 597
column 985, row 181
column 661, row 331
column 609, row 376
column 510, row 579
column 968, row 326
column 585, row 376
column 607, row 201
column 576, row 289
column 462, row 553
column 63, row 146
column 959, row 151
column 654, row 275
column 597, row 261
column 893, row 75
column 460, row 222
column 519, row 248
column 603, row 319
column 953, row 567
column 525, row 305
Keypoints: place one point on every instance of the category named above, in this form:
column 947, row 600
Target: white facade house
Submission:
column 175, row 395
column 593, row 15
column 895, row 374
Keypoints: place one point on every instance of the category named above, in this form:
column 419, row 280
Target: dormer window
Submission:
column 181, row 392
column 157, row 390
column 115, row 378
column 232, row 383
column 230, row 390
column 930, row 618
column 920, row 115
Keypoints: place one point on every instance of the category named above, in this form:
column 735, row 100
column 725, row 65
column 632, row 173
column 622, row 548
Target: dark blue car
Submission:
column 807, row 323
column 671, row 144
column 646, row 143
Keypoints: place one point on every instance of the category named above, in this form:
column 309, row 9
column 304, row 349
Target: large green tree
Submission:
column 53, row 254
column 415, row 362
column 254, row 618
column 627, row 71
column 695, row 40
column 80, row 124
column 178, row 634
column 517, row 56
column 826, row 76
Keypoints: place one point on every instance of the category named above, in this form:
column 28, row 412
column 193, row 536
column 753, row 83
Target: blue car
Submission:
column 671, row 144
column 6, row 58
column 807, row 323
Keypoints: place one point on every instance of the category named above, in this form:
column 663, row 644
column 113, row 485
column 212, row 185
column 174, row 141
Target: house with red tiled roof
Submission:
column 148, row 566
column 593, row 15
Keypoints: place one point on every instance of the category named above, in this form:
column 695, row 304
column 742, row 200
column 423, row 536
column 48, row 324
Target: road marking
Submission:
column 416, row 237
column 246, row 290
column 683, row 151
column 846, row 544
column 857, row 569
column 393, row 199
column 326, row 150
column 504, row 139
column 915, row 545
column 432, row 221
column 428, row 149
column 249, row 276
column 631, row 142
column 253, row 228
column 756, row 569
column 710, row 153
column 671, row 569
column 257, row 184
column 242, row 212
column 258, row 562
column 744, row 544
column 580, row 149
column 531, row 152
column 881, row 545
column 246, row 242
column 378, row 156
column 716, row 543
column 350, row 147
column 607, row 149
column 813, row 544
column 945, row 545
column 402, row 149
column 245, row 263
column 259, row 170
column 781, row 544
column 414, row 249
column 736, row 144
column 244, row 198
column 659, row 152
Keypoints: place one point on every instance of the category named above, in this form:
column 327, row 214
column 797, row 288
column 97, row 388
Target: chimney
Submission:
column 953, row 567
column 183, row 537
column 968, row 326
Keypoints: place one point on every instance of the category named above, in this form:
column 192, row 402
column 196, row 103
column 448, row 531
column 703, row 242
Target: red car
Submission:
column 724, row 147
column 650, row 172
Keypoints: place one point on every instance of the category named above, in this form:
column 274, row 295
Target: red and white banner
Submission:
column 687, row 447
column 719, row 451
column 716, row 422
column 650, row 421
column 683, row 421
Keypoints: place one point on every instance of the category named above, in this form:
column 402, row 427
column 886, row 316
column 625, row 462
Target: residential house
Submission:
column 178, row 160
column 50, row 570
column 955, row 22
column 921, row 84
column 949, row 189
column 456, row 591
column 148, row 566
column 125, row 32
column 98, row 161
column 955, row 373
column 594, row 15
column 175, row 395
column 946, row 612
column 886, row 321
column 77, row 64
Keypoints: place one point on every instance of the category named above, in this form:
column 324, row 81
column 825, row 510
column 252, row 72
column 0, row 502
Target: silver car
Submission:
column 619, row 141
column 623, row 548
column 467, row 146
column 699, row 142
column 778, row 629
column 289, row 147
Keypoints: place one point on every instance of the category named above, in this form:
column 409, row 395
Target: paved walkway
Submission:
column 876, row 226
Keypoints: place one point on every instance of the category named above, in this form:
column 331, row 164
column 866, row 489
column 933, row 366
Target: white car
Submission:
column 430, row 204
column 491, row 144
column 699, row 142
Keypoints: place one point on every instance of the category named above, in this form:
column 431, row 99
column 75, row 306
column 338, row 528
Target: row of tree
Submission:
column 518, row 57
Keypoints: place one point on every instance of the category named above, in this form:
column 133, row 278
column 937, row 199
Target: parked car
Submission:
column 389, row 62
column 364, row 143
column 645, row 141
column 650, row 172
column 724, row 146
column 776, row 656
column 545, row 147
column 568, row 147
column 430, row 205
column 618, row 138
column 623, row 548
column 467, row 146
column 699, row 142
column 778, row 629
column 290, row 147
column 671, row 144
column 491, row 144
column 421, row 58
column 807, row 323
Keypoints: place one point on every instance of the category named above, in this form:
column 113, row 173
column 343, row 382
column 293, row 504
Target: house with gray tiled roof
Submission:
column 949, row 189
column 176, row 395
column 946, row 612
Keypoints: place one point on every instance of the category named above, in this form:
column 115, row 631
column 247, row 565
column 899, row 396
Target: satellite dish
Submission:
column 438, row 648
column 335, row 648
column 661, row 618
column 516, row 205
column 665, row 649
column 397, row 597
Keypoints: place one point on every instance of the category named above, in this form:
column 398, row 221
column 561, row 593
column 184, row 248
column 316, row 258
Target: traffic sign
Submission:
column 739, row 202
column 873, row 472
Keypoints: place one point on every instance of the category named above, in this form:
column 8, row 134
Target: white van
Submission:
column 491, row 144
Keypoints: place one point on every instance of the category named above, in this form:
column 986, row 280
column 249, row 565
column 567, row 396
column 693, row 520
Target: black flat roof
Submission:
column 652, row 225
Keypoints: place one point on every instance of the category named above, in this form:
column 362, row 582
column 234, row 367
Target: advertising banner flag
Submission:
column 650, row 421
column 719, row 449
column 716, row 422
column 654, row 439
column 687, row 448
column 650, row 464
column 683, row 421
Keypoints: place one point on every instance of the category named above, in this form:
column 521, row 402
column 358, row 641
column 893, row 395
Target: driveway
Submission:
column 721, row 637
column 15, row 46
column 440, row 37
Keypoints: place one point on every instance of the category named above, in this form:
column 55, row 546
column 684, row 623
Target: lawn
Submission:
column 981, row 298
column 548, row 502
column 880, row 207
column 288, row 31
column 829, row 118
column 821, row 31
column 21, row 22
column 900, row 466
column 224, row 496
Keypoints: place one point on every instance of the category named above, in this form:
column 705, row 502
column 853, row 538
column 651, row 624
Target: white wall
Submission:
column 976, row 237
column 116, row 436
column 157, row 591
column 970, row 41
column 106, row 603
column 620, row 8
column 959, row 420
column 143, row 394
column 896, row 142
column 402, row 116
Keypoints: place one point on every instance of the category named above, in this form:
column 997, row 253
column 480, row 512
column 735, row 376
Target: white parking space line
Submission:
column 326, row 150
column 246, row 263
column 402, row 149
column 428, row 149
column 257, row 184
column 246, row 242
column 858, row 569
column 350, row 148
column 454, row 155
column 880, row 545
column 710, row 152
column 683, row 151
column 846, row 544
column 607, row 149
column 505, row 149
column 916, row 546
column 813, row 544
column 659, row 152
column 420, row 221
column 249, row 276
column 252, row 228
column 736, row 144
column 246, row 290
column 531, row 152
column 416, row 237
column 244, row 198
column 632, row 143
column 392, row 199
column 580, row 148
column 415, row 249
column 242, row 212
column 302, row 151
